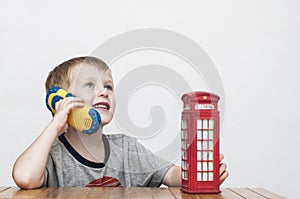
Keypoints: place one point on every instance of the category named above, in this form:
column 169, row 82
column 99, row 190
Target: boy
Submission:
column 61, row 156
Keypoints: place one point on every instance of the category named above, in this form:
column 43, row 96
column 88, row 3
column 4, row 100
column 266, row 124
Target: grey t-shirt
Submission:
column 127, row 163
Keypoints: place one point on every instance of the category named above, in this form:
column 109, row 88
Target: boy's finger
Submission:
column 77, row 104
column 76, row 99
column 222, row 169
column 221, row 157
column 71, row 100
column 57, row 104
column 223, row 177
column 223, row 173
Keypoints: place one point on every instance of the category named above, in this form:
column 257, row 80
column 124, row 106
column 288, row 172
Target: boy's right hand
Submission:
column 62, row 110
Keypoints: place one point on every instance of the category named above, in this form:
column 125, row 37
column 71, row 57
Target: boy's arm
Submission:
column 173, row 175
column 28, row 170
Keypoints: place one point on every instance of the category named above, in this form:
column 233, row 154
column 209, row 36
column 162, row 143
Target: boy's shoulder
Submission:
column 56, row 143
column 57, row 147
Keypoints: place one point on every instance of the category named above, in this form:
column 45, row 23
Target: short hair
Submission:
column 60, row 75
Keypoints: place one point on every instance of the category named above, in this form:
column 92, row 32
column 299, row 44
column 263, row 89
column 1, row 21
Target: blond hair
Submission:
column 60, row 75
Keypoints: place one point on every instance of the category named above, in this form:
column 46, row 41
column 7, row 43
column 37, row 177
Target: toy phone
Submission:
column 85, row 119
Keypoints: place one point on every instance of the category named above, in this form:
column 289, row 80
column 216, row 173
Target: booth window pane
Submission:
column 210, row 166
column 199, row 124
column 184, row 175
column 199, row 145
column 184, row 165
column 205, row 135
column 211, row 145
column 204, row 166
column 199, row 155
column 204, row 176
column 199, row 135
column 211, row 134
column 183, row 135
column 199, row 166
column 184, row 144
column 211, row 124
column 210, row 176
column 184, row 124
column 211, row 155
column 205, row 155
column 205, row 124
column 205, row 145
column 199, row 176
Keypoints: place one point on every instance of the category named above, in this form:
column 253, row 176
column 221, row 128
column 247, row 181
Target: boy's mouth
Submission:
column 102, row 105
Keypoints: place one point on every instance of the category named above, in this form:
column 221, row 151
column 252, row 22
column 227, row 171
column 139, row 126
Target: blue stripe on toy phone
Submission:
column 96, row 121
column 69, row 95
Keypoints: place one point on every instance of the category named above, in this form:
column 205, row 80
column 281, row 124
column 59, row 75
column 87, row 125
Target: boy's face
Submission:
column 95, row 87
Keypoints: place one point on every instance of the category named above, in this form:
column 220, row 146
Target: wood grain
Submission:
column 132, row 193
column 8, row 193
column 3, row 188
column 267, row 193
column 247, row 193
column 228, row 194
column 162, row 193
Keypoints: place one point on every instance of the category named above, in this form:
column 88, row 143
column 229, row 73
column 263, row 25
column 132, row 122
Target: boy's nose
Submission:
column 102, row 92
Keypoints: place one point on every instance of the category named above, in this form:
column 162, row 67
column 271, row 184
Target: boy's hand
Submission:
column 223, row 172
column 173, row 176
column 62, row 110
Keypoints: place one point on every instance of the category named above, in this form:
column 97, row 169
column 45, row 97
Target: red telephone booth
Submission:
column 200, row 143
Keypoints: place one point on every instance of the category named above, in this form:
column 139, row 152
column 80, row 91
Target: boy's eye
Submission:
column 108, row 87
column 89, row 85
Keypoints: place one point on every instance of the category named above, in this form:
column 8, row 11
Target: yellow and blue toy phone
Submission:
column 85, row 119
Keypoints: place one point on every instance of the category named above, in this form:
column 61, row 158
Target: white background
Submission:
column 253, row 44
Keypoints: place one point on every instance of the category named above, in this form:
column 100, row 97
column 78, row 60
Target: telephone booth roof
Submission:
column 200, row 96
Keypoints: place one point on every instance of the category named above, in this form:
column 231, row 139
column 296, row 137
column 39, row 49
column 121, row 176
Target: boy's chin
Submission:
column 104, row 122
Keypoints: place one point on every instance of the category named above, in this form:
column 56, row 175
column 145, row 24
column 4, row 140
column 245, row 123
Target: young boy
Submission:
column 63, row 156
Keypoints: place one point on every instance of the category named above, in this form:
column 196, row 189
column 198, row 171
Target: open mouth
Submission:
column 102, row 105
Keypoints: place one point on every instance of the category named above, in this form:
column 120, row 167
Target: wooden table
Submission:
column 133, row 192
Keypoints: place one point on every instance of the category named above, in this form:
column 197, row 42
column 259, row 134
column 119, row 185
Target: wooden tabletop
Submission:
column 133, row 192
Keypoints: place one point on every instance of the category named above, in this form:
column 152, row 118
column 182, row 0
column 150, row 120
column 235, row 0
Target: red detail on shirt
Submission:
column 106, row 181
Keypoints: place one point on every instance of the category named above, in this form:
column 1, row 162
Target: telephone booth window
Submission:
column 205, row 146
column 184, row 146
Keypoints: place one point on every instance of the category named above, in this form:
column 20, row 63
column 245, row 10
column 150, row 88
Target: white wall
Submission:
column 253, row 44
